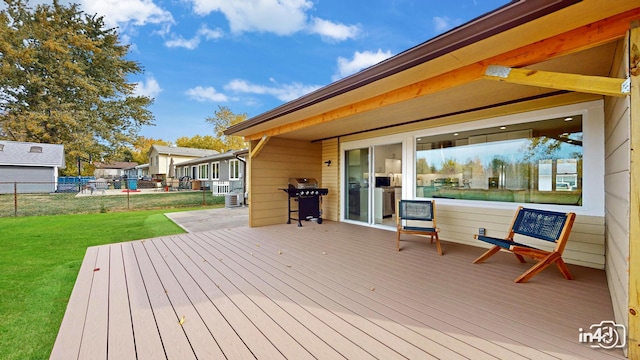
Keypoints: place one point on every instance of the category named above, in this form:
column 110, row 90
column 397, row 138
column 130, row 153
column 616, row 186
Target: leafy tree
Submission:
column 542, row 147
column 201, row 142
column 140, row 149
column 450, row 167
column 63, row 80
column 222, row 119
column 422, row 167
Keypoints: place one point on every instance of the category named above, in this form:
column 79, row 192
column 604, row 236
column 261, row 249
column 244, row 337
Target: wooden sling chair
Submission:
column 417, row 217
column 537, row 224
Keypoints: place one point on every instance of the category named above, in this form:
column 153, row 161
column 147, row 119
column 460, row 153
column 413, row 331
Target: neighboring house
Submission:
column 222, row 173
column 141, row 171
column 161, row 157
column 114, row 170
column 34, row 166
column 561, row 106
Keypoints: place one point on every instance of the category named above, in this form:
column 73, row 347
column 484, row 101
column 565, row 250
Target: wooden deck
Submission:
column 324, row 291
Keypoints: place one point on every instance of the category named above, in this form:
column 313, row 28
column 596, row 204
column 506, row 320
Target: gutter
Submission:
column 504, row 18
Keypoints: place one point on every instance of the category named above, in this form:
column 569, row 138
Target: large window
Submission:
column 535, row 162
column 234, row 170
column 203, row 171
column 215, row 170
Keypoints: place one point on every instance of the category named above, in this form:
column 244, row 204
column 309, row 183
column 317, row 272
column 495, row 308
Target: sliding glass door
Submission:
column 357, row 185
column 373, row 183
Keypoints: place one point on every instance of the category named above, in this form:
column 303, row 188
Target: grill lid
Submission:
column 303, row 183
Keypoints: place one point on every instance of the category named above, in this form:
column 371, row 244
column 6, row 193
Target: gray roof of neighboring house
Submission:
column 31, row 154
column 182, row 151
column 231, row 154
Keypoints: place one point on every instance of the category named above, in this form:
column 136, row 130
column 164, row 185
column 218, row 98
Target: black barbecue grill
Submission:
column 308, row 195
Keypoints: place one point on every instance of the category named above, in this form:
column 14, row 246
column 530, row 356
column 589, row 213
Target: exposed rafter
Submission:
column 256, row 150
column 573, row 41
column 561, row 81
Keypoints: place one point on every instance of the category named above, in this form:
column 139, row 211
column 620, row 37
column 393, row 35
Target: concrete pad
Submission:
column 211, row 219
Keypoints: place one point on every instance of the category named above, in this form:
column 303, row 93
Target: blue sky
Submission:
column 254, row 55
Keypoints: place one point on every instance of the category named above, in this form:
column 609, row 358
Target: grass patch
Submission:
column 69, row 203
column 40, row 260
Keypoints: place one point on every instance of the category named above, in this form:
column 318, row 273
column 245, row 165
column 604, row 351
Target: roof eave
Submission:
column 499, row 20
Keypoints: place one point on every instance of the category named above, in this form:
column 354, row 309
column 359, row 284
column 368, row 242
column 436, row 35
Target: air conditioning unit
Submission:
column 232, row 200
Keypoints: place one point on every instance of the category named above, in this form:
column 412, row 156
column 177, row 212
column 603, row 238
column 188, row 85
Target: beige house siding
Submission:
column 331, row 179
column 617, row 188
column 586, row 244
column 161, row 167
column 459, row 224
column 279, row 160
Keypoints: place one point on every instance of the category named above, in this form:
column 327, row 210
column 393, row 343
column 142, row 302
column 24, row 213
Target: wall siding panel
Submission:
column 617, row 167
column 331, row 179
column 459, row 224
column 279, row 160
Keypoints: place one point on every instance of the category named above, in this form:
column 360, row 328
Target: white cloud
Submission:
column 179, row 41
column 136, row 12
column 204, row 31
column 442, row 24
column 209, row 93
column 281, row 17
column 283, row 92
column 150, row 88
column 210, row 34
column 359, row 61
column 125, row 39
column 333, row 31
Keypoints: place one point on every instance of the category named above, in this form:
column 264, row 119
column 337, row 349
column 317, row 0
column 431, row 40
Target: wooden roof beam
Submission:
column 256, row 150
column 561, row 81
column 582, row 38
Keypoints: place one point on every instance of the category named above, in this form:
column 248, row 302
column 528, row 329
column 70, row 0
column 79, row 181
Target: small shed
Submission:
column 32, row 166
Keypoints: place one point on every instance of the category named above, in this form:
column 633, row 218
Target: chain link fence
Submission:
column 91, row 196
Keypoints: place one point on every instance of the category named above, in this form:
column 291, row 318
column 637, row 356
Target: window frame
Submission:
column 234, row 164
column 593, row 155
column 215, row 170
column 206, row 168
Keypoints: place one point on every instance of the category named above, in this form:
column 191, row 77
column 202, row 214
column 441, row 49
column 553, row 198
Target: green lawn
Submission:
column 39, row 260
column 69, row 203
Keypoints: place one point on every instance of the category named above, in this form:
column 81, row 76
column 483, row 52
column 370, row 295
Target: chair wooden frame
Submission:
column 539, row 224
column 413, row 216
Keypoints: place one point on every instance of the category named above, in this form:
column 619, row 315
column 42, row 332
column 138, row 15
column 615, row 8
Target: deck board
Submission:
column 95, row 334
column 258, row 329
column 406, row 322
column 69, row 337
column 308, row 310
column 148, row 343
column 220, row 333
column 200, row 338
column 176, row 344
column 323, row 291
column 120, row 342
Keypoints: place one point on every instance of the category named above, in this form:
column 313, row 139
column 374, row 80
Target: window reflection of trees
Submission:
column 504, row 170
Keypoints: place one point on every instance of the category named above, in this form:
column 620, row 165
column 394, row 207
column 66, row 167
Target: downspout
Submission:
column 244, row 179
